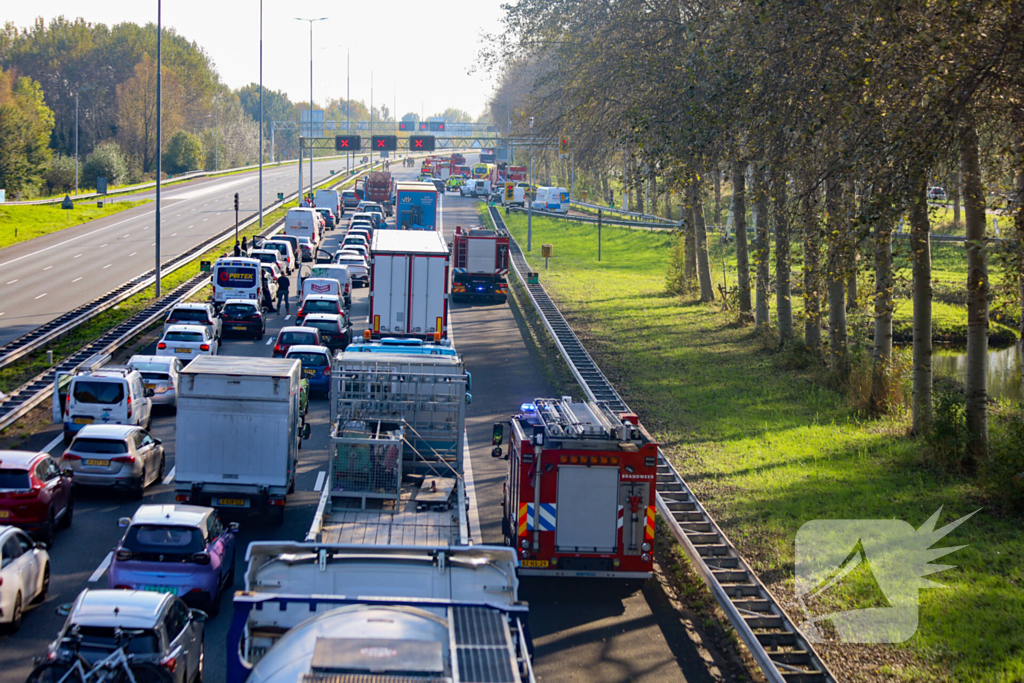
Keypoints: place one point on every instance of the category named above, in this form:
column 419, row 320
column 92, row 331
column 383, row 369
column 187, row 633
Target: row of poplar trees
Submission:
column 838, row 111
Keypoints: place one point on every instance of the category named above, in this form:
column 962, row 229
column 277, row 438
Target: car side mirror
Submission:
column 158, row 442
column 306, row 430
column 233, row 527
column 124, row 522
column 469, row 398
column 198, row 615
column 149, row 393
column 42, row 546
column 497, row 433
column 65, row 609
column 69, row 473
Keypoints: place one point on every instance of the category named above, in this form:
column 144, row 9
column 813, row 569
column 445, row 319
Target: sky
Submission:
column 420, row 53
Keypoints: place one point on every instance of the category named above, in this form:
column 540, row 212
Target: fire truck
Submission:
column 516, row 174
column 579, row 493
column 480, row 258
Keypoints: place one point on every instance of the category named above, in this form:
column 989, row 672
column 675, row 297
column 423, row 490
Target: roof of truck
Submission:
column 241, row 365
column 405, row 241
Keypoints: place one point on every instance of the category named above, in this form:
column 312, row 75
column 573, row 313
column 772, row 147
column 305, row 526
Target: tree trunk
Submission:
column 1018, row 218
column 668, row 205
column 761, row 248
column 921, row 258
column 739, row 218
column 700, row 234
column 977, row 295
column 783, row 301
column 838, row 238
column 690, row 265
column 882, row 355
column 718, row 195
column 957, row 181
column 812, row 268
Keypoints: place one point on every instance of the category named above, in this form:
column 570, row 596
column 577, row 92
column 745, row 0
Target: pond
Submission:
column 1003, row 369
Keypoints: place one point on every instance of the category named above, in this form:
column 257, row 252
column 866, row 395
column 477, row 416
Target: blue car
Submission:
column 316, row 365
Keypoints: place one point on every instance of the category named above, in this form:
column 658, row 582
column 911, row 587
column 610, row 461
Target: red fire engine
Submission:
column 480, row 262
column 579, row 495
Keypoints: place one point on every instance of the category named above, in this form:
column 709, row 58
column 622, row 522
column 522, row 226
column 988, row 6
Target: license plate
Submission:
column 173, row 590
column 230, row 502
column 97, row 463
column 150, row 386
column 309, row 373
column 4, row 514
column 83, row 420
column 534, row 563
column 183, row 350
column 238, row 327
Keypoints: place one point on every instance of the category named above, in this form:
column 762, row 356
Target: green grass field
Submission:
column 768, row 448
column 20, row 223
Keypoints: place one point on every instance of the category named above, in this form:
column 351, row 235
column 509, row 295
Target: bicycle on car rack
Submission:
column 69, row 666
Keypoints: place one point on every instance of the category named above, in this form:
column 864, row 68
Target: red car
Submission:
column 319, row 303
column 293, row 336
column 34, row 494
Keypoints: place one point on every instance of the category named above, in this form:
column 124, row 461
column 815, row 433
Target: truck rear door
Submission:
column 389, row 314
column 428, row 296
column 587, row 509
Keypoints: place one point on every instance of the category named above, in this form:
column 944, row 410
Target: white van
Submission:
column 475, row 187
column 287, row 253
column 337, row 272
column 320, row 285
column 330, row 199
column 518, row 195
column 235, row 278
column 303, row 223
column 108, row 395
column 552, row 199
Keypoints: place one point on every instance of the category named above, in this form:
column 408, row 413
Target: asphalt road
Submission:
column 55, row 273
column 582, row 630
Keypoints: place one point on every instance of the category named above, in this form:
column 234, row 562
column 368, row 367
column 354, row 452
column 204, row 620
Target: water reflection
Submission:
column 1003, row 369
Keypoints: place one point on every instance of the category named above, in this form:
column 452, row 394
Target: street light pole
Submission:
column 261, row 123
column 529, row 215
column 310, row 107
column 348, row 104
column 159, row 134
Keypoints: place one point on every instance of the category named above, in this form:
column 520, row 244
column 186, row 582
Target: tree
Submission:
column 60, row 174
column 136, row 116
column 920, row 256
column 25, row 126
column 762, row 245
column 453, row 115
column 184, row 153
column 106, row 161
column 976, row 383
column 739, row 217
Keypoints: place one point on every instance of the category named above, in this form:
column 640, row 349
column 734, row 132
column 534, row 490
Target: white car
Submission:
column 24, row 575
column 286, row 252
column 159, row 373
column 185, row 342
column 360, row 249
column 358, row 269
column 195, row 314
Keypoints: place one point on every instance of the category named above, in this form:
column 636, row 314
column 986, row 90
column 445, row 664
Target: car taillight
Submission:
column 327, row 371
column 161, row 345
column 204, row 347
column 200, row 558
column 129, row 406
column 124, row 555
column 123, row 458
column 170, row 664
column 183, row 498
column 71, row 456
column 278, row 348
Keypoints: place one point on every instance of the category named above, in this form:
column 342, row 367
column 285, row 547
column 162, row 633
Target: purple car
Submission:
column 179, row 549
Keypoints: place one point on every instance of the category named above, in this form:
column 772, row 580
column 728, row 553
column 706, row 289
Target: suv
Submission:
column 159, row 373
column 109, row 395
column 115, row 456
column 936, row 193
column 328, row 217
column 349, row 199
column 34, row 494
column 179, row 549
column 24, row 575
column 195, row 314
column 244, row 316
column 171, row 634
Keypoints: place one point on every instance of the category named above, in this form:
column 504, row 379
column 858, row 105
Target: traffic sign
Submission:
column 421, row 143
column 435, row 125
column 67, row 204
column 384, row 143
column 347, row 143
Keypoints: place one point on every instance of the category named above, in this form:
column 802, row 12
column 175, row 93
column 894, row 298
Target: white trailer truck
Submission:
column 239, row 428
column 409, row 284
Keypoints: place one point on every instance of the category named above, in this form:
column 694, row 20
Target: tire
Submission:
column 52, row 672
column 69, row 513
column 16, row 614
column 140, row 490
column 46, row 532
column 291, row 485
column 145, row 672
column 162, row 470
column 46, row 585
column 202, row 665
column 277, row 515
column 213, row 604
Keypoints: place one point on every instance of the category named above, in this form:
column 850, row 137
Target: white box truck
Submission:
column 239, row 428
column 409, row 284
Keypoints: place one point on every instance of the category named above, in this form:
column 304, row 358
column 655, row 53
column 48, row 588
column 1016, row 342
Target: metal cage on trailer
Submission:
column 579, row 494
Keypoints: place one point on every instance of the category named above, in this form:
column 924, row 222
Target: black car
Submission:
column 439, row 184
column 335, row 330
column 328, row 217
column 242, row 317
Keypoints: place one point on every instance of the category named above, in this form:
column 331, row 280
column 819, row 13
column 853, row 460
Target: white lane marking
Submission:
column 133, row 253
column 205, row 219
column 75, row 280
column 73, row 239
column 13, row 281
column 127, row 235
column 102, row 568
column 47, row 268
column 474, row 512
column 103, row 245
column 269, row 342
column 288, row 316
column 170, row 475
column 77, row 255
column 41, row 296
column 190, row 227
column 174, row 234
column 57, row 440
column 321, row 475
column 107, row 266
column 2, row 312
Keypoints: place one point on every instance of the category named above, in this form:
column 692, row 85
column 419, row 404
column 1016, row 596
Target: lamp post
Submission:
column 159, row 134
column 261, row 121
column 310, row 104
column 87, row 87
column 529, row 215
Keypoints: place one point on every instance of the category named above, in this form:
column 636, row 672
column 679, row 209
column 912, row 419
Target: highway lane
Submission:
column 47, row 276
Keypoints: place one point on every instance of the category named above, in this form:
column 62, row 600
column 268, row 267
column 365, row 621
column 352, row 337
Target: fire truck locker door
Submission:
column 587, row 511
column 633, row 501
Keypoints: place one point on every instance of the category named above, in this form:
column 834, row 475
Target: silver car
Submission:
column 116, row 456
column 159, row 373
column 171, row 633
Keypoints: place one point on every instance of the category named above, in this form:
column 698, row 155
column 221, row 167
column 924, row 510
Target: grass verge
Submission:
column 20, row 223
column 769, row 447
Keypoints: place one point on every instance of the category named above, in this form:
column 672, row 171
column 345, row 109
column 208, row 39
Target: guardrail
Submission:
column 782, row 652
column 593, row 221
column 629, row 215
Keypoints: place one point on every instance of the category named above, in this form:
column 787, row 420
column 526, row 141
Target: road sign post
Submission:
column 236, row 218
column 67, row 205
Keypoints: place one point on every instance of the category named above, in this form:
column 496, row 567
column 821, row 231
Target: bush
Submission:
column 1002, row 474
column 106, row 161
column 59, row 175
column 949, row 438
column 184, row 153
column 675, row 280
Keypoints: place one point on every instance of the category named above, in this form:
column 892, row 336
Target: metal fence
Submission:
column 366, row 461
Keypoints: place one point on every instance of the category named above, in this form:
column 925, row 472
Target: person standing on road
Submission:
column 283, row 283
column 245, row 248
column 238, row 250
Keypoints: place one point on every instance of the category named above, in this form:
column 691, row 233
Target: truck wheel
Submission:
column 277, row 515
column 291, row 487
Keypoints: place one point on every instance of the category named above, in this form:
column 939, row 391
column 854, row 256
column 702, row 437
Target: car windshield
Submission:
column 348, row 261
column 14, row 479
column 277, row 246
column 187, row 314
column 174, row 543
column 267, row 258
column 321, row 306
column 103, row 638
column 310, row 360
column 323, row 325
column 291, row 338
column 239, row 309
column 183, row 336
column 105, row 393
column 152, row 367
column 99, row 446
column 156, row 376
